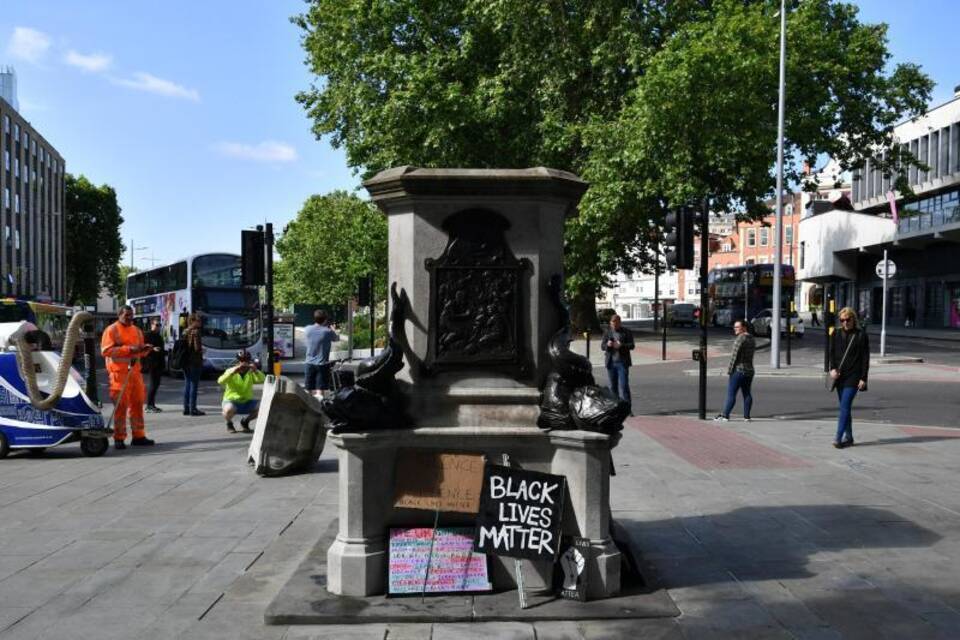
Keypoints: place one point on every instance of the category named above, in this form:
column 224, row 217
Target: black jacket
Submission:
column 856, row 366
column 156, row 359
column 626, row 345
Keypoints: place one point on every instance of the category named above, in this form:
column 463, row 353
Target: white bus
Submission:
column 209, row 285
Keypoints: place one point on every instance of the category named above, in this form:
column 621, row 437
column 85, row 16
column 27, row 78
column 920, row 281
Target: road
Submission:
column 921, row 394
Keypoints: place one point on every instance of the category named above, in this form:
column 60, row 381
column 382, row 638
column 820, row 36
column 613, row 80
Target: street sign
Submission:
column 891, row 269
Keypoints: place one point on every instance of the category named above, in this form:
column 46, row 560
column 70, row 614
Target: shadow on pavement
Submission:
column 765, row 543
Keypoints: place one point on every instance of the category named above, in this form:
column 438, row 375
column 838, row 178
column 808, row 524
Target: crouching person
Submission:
column 238, row 383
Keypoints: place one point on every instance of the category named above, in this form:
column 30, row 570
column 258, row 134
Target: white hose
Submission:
column 28, row 370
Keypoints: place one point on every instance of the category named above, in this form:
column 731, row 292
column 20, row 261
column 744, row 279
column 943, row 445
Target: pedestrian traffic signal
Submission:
column 251, row 257
column 678, row 238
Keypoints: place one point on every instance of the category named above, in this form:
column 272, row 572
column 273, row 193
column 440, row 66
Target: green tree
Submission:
column 655, row 102
column 93, row 244
column 335, row 239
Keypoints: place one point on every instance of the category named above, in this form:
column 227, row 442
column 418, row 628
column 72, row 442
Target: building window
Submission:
column 16, row 131
column 6, row 160
column 16, row 167
column 6, row 197
column 6, row 124
column 749, row 261
column 726, row 247
column 16, row 242
column 751, row 237
column 16, row 200
column 764, row 236
column 789, row 234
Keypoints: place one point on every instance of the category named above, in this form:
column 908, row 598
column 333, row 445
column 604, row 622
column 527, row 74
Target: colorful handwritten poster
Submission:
column 454, row 566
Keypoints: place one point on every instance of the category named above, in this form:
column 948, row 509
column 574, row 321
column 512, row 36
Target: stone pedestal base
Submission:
column 357, row 560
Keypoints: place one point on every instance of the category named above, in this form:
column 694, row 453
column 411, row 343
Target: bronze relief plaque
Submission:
column 476, row 311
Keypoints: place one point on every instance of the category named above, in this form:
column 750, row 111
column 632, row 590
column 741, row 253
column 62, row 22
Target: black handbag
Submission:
column 829, row 383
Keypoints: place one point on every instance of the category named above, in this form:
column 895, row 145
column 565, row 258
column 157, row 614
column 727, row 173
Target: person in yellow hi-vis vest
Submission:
column 123, row 346
column 238, row 383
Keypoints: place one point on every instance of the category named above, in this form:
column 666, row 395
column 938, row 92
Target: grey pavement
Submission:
column 756, row 530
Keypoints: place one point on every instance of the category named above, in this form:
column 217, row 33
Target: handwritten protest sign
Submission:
column 520, row 513
column 438, row 481
column 454, row 566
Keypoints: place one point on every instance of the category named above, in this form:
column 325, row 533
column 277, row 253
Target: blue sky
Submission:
column 187, row 108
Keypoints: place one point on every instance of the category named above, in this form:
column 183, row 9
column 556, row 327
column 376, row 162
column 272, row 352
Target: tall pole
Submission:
column 268, row 333
column 778, row 227
column 656, row 285
column 883, row 311
column 704, row 303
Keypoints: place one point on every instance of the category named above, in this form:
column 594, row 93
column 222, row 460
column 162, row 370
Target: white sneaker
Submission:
column 747, row 420
column 721, row 418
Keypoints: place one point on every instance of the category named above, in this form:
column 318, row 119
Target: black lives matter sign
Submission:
column 520, row 513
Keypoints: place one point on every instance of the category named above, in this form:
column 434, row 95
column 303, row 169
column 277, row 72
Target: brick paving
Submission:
column 707, row 445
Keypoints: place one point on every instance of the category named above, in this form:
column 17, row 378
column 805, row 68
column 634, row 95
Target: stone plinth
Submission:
column 471, row 253
column 357, row 560
column 535, row 204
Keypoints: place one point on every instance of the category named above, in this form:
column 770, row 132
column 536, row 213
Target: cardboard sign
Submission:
column 454, row 566
column 438, row 481
column 573, row 562
column 520, row 513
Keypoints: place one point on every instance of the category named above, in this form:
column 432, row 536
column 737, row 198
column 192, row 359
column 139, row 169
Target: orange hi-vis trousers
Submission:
column 131, row 402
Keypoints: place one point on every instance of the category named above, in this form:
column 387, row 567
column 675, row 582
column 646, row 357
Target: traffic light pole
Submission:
column 704, row 303
column 268, row 325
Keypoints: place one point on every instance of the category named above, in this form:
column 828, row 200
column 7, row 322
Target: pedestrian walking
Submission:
column 849, row 365
column 193, row 365
column 740, row 372
column 319, row 337
column 814, row 320
column 122, row 345
column 154, row 363
column 617, row 343
column 238, row 382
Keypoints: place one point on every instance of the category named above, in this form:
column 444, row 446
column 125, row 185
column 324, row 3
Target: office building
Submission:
column 31, row 210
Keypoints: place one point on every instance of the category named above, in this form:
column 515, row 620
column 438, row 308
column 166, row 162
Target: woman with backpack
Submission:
column 192, row 365
column 849, row 365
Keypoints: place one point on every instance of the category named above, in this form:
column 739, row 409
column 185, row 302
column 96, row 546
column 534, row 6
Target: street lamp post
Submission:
column 778, row 226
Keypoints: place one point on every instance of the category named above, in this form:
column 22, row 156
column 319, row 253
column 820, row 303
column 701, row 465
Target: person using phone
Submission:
column 238, row 398
column 617, row 343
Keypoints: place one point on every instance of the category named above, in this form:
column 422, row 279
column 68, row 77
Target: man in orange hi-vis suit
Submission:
column 123, row 345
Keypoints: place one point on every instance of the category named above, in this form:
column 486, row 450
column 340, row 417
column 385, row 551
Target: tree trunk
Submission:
column 583, row 311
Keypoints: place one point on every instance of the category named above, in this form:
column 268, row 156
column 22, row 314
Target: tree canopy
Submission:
column 334, row 240
column 93, row 245
column 654, row 102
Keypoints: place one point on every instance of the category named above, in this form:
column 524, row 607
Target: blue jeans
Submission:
column 191, row 385
column 739, row 381
column 619, row 374
column 316, row 376
column 845, row 420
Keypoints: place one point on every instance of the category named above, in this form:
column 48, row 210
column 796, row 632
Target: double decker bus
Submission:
column 209, row 285
column 743, row 292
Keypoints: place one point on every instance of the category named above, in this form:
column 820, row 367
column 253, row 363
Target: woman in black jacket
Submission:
column 849, row 365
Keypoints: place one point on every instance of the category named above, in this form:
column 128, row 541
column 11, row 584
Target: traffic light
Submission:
column 251, row 257
column 678, row 238
column 363, row 291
